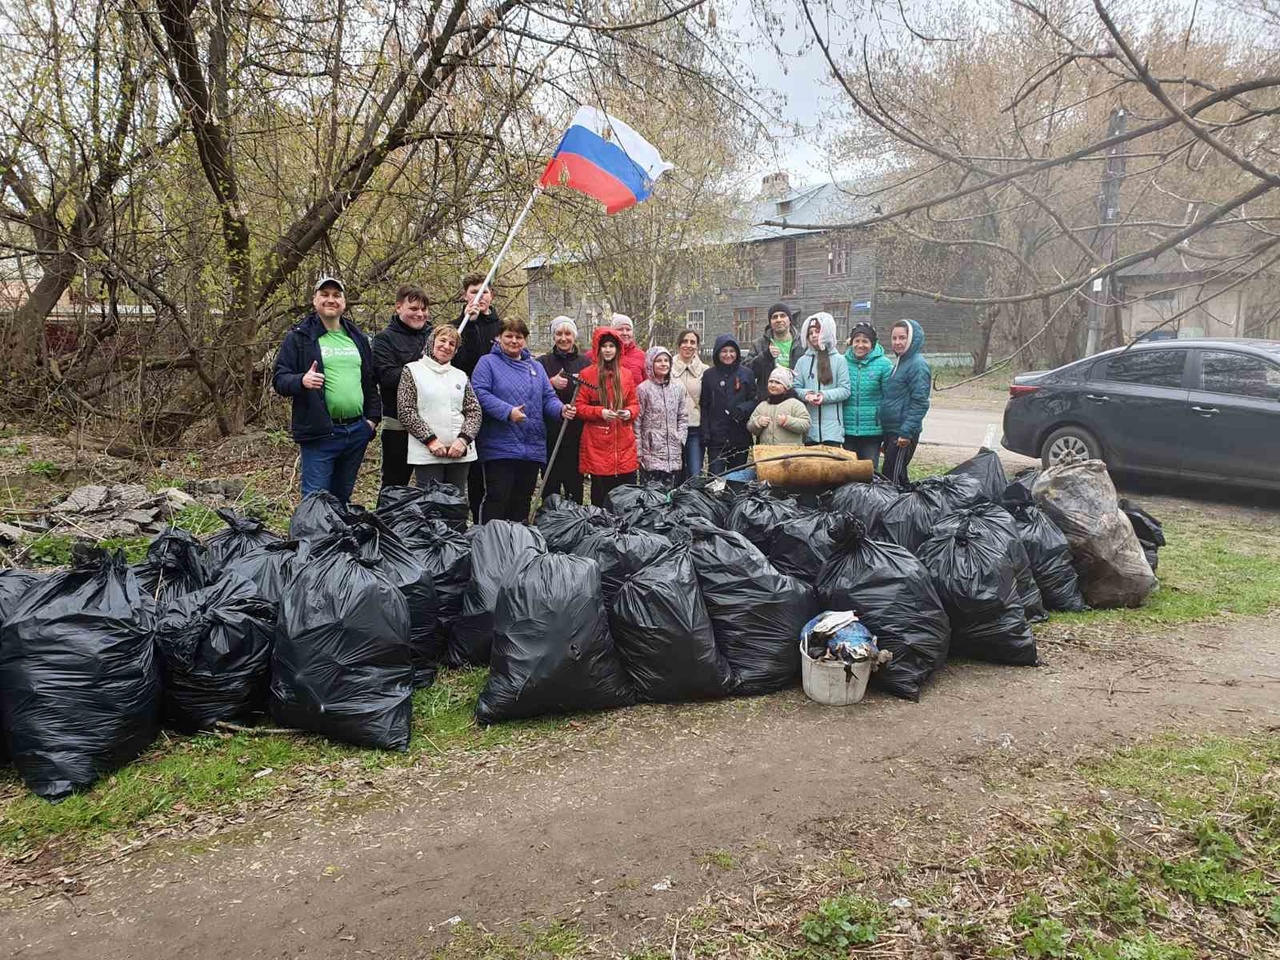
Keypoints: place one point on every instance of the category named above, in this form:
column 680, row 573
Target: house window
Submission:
column 784, row 207
column 840, row 311
column 696, row 320
column 837, row 259
column 788, row 268
column 744, row 324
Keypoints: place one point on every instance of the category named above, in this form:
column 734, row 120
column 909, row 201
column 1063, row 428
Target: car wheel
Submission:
column 1069, row 443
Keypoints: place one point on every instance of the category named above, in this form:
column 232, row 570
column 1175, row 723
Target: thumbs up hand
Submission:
column 517, row 414
column 313, row 379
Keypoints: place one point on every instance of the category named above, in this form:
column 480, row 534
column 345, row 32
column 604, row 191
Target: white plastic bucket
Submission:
column 833, row 682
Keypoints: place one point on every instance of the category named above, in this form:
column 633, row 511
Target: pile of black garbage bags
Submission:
column 656, row 596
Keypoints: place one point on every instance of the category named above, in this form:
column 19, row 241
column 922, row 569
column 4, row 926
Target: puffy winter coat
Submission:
column 728, row 397
column 825, row 420
column 789, row 434
column 608, row 446
column 393, row 347
column 906, row 389
column 663, row 423
column 866, row 383
column 631, row 358
column 501, row 383
column 761, row 359
column 300, row 349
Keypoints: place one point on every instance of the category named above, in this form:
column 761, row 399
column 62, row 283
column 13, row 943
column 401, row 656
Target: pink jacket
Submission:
column 663, row 423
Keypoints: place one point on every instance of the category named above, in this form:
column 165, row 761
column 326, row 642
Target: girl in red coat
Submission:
column 607, row 407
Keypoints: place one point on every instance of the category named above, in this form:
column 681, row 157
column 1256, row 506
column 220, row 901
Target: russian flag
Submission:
column 604, row 158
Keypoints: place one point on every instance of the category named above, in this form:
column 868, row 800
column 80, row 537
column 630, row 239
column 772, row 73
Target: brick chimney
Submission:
column 775, row 185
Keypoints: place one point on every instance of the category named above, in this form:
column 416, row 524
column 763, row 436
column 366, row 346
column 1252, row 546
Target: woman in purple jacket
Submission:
column 516, row 396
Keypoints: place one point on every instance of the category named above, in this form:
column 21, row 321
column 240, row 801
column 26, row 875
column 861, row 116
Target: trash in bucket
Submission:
column 837, row 654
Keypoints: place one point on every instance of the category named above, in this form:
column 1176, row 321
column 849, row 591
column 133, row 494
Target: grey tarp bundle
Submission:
column 565, row 524
column 498, row 549
column 215, row 653
column 552, row 652
column 176, row 563
column 976, row 579
column 342, row 665
column 663, row 633
column 893, row 594
column 79, row 686
column 756, row 612
column 1081, row 501
column 242, row 535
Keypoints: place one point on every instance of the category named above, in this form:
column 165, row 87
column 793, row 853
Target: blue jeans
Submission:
column 867, row 448
column 333, row 463
column 693, row 452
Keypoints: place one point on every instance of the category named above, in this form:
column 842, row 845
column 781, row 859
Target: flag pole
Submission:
column 503, row 252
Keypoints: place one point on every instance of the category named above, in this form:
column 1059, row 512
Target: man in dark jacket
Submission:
column 779, row 346
column 728, row 398
column 478, row 335
column 326, row 366
column 564, row 360
column 404, row 340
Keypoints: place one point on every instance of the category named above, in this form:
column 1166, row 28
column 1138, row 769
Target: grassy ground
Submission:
column 1168, row 851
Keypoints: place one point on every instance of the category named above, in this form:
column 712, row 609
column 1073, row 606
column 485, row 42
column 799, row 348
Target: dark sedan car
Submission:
column 1202, row 409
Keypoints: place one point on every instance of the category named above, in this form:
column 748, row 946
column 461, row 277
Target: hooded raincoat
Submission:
column 728, row 397
column 826, row 421
column 663, row 423
column 906, row 389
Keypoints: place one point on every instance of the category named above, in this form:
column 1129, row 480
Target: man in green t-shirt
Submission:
column 326, row 366
column 779, row 346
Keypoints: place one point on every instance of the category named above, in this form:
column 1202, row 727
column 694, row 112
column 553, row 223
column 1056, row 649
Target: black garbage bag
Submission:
column 14, row 585
column 176, row 563
column 271, row 566
column 552, row 652
column 910, row 519
column 242, row 535
column 693, row 499
column 630, row 502
column 976, row 580
column 342, row 665
column 498, row 549
column 564, row 523
column 444, row 501
column 1050, row 557
column 986, row 468
column 756, row 515
column 393, row 559
column 395, row 495
column 318, row 515
column 866, row 501
column 446, row 555
column 619, row 554
column 985, row 513
column 663, row 633
column 802, row 544
column 215, row 653
column 79, row 685
column 756, row 612
column 1149, row 530
column 1018, row 489
column 893, row 594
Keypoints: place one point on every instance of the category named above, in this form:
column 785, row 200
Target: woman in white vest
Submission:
column 440, row 412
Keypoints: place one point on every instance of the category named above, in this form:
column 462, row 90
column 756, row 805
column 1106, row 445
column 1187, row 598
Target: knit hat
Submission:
column 779, row 308
column 621, row 320
column 563, row 321
column 864, row 328
column 783, row 376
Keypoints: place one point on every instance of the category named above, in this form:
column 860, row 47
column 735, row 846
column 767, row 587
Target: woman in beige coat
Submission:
column 781, row 418
column 686, row 371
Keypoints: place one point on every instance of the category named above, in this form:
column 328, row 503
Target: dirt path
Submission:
column 592, row 828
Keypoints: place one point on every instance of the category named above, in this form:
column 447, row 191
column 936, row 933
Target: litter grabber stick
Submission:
column 546, row 472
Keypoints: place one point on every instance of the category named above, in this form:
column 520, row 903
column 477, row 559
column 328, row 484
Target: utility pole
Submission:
column 1101, row 296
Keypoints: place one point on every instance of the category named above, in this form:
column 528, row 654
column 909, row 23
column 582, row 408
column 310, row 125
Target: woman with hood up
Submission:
column 822, row 381
column 728, row 397
column 608, row 407
column 906, row 398
column 663, row 423
column 868, row 370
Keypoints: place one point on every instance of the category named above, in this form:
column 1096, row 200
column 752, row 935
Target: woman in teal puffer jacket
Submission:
column 905, row 400
column 868, row 370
